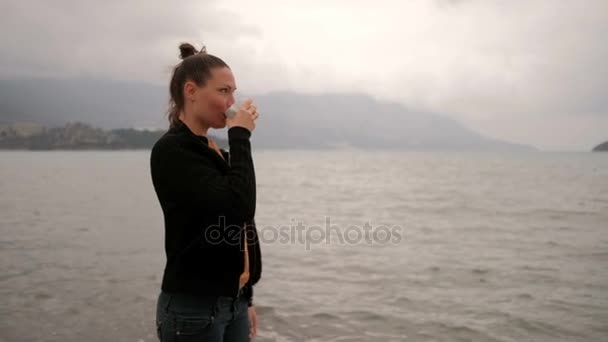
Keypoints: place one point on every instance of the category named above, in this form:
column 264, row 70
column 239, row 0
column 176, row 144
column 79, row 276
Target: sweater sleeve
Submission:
column 183, row 175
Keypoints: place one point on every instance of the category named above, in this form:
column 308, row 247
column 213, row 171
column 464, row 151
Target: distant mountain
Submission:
column 603, row 147
column 288, row 120
column 103, row 104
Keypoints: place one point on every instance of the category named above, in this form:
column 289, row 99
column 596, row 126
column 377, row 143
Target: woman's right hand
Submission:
column 244, row 117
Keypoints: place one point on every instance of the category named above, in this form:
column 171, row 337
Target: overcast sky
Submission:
column 531, row 72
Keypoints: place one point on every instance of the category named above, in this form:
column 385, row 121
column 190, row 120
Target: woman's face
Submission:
column 210, row 101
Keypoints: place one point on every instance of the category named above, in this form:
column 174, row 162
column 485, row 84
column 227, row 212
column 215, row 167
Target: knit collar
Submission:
column 181, row 127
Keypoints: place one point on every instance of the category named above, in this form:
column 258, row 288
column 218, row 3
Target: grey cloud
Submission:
column 112, row 39
column 495, row 65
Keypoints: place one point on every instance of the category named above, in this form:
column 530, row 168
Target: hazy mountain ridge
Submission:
column 288, row 120
column 603, row 147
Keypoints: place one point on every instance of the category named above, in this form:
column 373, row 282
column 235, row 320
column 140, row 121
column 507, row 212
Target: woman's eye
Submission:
column 224, row 90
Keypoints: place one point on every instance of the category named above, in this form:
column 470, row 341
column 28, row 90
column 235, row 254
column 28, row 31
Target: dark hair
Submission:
column 195, row 66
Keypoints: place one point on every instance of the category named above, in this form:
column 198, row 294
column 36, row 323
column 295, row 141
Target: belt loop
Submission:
column 235, row 301
column 215, row 309
column 233, row 304
column 170, row 297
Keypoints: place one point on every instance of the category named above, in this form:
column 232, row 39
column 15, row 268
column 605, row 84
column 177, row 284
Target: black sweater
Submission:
column 206, row 202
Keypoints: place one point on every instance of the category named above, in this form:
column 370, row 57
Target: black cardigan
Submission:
column 206, row 202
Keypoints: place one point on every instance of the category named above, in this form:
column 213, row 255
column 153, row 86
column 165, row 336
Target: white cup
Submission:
column 231, row 112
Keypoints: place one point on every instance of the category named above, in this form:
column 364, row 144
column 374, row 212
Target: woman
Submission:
column 208, row 201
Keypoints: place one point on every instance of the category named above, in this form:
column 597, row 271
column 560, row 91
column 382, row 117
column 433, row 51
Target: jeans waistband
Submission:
column 195, row 304
column 186, row 299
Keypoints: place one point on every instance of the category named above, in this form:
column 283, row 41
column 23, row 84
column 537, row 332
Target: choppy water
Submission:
column 510, row 247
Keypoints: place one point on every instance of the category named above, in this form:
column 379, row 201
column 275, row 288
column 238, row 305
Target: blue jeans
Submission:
column 183, row 317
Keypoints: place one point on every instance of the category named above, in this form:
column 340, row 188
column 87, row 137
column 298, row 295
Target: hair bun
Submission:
column 186, row 50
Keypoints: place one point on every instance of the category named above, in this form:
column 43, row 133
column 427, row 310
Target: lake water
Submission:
column 484, row 247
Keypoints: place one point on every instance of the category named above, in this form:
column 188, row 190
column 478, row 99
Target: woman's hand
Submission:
column 253, row 322
column 245, row 116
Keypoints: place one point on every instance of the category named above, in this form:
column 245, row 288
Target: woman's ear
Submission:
column 190, row 91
